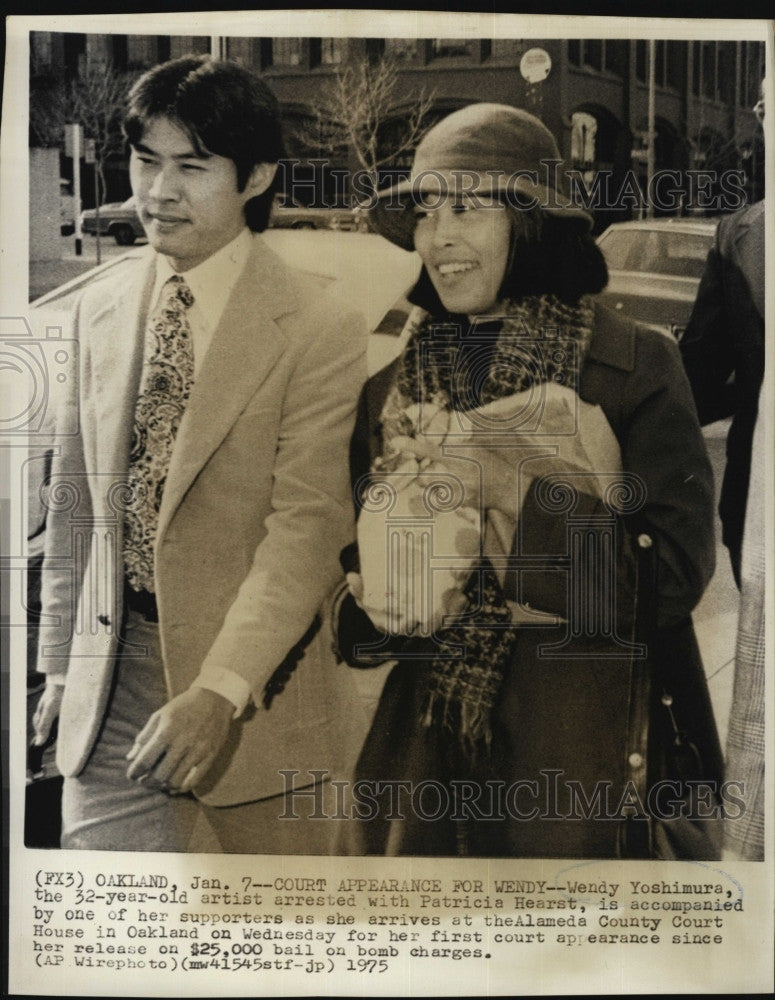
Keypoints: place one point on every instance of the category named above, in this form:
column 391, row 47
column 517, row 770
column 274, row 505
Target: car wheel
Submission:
column 303, row 225
column 123, row 235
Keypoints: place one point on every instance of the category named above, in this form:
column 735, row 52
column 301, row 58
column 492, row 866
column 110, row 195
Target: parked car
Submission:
column 366, row 271
column 655, row 267
column 289, row 214
column 118, row 219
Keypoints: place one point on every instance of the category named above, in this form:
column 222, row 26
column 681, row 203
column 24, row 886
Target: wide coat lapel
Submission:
column 244, row 349
column 116, row 339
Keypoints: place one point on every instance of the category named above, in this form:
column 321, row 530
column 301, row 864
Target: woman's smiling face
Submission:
column 464, row 243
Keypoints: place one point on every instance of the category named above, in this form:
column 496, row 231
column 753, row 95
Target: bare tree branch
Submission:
column 96, row 101
column 355, row 108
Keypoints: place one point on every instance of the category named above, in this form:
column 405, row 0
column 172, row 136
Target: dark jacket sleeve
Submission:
column 666, row 501
column 707, row 347
column 358, row 642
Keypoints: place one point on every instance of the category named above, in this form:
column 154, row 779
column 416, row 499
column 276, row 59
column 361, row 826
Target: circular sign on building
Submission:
column 535, row 65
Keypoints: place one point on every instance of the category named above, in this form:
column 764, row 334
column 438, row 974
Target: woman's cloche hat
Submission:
column 488, row 149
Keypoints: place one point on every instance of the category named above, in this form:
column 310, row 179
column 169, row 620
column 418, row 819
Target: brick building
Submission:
column 594, row 98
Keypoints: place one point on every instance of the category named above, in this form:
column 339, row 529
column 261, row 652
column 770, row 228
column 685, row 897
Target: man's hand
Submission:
column 47, row 711
column 179, row 743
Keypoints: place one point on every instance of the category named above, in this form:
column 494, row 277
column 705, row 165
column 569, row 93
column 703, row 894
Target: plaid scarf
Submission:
column 457, row 365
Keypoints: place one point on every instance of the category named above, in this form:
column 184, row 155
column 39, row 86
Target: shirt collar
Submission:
column 212, row 281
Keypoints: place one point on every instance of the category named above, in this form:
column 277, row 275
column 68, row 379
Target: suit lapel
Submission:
column 116, row 337
column 244, row 349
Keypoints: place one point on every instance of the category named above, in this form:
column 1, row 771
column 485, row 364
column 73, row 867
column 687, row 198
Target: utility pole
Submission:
column 651, row 131
column 73, row 134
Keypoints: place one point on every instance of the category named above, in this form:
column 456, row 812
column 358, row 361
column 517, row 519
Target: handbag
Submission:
column 660, row 753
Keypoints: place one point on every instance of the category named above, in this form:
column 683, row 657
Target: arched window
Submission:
column 583, row 140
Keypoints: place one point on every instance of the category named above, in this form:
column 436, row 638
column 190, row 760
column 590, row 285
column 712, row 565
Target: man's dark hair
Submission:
column 223, row 108
column 547, row 256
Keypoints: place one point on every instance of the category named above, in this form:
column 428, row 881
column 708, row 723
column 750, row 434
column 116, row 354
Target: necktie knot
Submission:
column 177, row 291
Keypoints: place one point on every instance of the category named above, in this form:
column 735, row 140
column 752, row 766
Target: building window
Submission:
column 641, row 61
column 331, row 51
column 596, row 54
column 286, row 51
column 240, row 50
column 40, row 46
column 696, row 67
column 708, row 67
column 141, row 51
column 593, row 54
column 669, row 63
column 615, row 56
column 659, row 64
column 375, row 49
column 753, row 73
column 675, row 65
column 507, row 48
column 403, row 49
column 726, row 72
column 443, row 48
column 184, row 45
column 117, row 52
column 583, row 136
column 704, row 70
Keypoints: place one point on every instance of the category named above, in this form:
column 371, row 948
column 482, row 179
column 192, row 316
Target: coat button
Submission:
column 635, row 760
column 645, row 541
column 103, row 620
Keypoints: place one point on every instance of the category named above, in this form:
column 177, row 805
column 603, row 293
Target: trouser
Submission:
column 104, row 810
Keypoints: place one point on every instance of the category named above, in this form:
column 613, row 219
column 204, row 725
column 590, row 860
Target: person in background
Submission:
column 744, row 835
column 194, row 521
column 725, row 337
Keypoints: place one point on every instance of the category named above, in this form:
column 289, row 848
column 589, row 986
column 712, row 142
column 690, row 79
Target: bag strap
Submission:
column 636, row 833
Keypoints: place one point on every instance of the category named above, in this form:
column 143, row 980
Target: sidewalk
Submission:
column 46, row 275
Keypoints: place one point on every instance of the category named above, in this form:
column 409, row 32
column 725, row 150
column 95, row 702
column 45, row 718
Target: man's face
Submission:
column 189, row 204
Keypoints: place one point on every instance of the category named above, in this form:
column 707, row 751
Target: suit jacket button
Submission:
column 103, row 619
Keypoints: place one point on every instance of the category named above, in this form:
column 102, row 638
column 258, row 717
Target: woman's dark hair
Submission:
column 223, row 108
column 547, row 256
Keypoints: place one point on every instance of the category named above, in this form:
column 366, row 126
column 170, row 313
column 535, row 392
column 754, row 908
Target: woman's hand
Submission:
column 487, row 477
column 496, row 473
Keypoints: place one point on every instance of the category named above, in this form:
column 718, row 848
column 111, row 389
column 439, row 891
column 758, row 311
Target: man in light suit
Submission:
column 196, row 518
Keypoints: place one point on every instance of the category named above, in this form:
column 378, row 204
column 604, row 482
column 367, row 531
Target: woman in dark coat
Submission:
column 553, row 704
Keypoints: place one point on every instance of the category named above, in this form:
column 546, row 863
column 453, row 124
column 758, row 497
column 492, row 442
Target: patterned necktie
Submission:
column 168, row 375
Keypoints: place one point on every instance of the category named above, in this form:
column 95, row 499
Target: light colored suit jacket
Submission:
column 256, row 509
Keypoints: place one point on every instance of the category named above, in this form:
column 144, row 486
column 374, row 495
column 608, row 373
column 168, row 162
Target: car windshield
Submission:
column 657, row 251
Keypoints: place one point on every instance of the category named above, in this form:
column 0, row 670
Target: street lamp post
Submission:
column 651, row 131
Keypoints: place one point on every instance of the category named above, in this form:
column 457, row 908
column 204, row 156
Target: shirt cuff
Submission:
column 226, row 683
